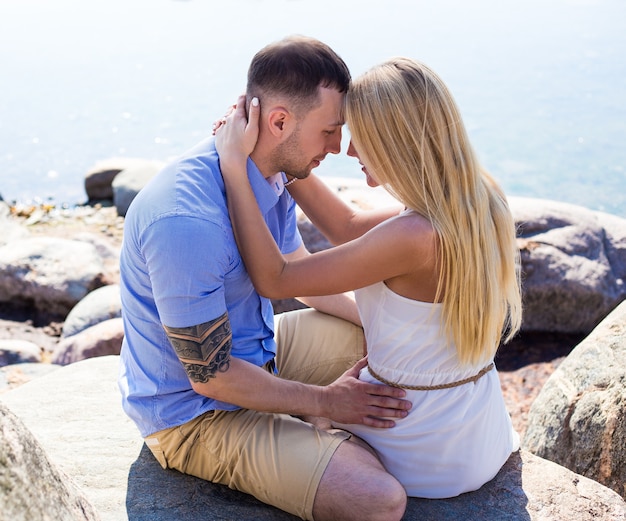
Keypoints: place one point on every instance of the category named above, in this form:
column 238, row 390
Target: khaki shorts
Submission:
column 277, row 458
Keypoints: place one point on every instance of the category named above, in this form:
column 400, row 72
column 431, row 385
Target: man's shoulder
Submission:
column 190, row 185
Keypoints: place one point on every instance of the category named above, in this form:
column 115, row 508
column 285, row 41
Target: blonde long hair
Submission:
column 408, row 129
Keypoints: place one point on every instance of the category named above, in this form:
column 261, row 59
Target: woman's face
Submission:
column 369, row 177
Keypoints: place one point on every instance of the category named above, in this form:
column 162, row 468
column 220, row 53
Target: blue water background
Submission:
column 541, row 84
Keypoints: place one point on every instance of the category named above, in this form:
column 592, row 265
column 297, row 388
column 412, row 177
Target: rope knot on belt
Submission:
column 474, row 378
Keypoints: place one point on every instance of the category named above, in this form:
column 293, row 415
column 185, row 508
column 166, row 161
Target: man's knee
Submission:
column 388, row 501
column 355, row 485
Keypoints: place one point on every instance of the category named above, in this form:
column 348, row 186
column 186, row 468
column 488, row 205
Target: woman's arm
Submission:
column 388, row 250
column 335, row 219
column 341, row 305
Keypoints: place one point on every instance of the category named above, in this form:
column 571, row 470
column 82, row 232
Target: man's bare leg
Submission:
column 356, row 486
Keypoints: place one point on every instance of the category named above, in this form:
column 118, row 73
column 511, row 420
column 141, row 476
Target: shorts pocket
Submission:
column 155, row 448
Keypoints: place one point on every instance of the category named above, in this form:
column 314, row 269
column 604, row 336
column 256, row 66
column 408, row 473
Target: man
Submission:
column 201, row 348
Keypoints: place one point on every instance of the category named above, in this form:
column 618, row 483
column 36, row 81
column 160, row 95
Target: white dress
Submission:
column 453, row 440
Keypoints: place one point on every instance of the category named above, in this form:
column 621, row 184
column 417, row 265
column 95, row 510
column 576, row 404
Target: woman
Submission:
column 437, row 286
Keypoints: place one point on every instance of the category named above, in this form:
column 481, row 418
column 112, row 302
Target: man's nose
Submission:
column 334, row 143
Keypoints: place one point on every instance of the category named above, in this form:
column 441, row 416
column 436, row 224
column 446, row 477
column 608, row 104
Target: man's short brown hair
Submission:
column 295, row 67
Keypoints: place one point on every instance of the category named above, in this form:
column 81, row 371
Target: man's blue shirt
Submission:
column 180, row 267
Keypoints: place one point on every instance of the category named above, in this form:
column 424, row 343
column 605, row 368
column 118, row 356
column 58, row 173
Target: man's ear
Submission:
column 279, row 120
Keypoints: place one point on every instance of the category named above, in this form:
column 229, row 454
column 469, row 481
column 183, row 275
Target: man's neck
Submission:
column 263, row 165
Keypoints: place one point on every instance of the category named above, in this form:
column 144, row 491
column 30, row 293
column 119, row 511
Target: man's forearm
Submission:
column 252, row 387
column 205, row 352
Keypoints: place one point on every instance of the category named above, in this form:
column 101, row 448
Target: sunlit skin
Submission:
column 369, row 178
column 341, row 268
column 320, row 133
column 401, row 251
column 299, row 145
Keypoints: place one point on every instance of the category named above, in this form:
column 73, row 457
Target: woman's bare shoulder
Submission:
column 416, row 243
column 408, row 234
column 411, row 223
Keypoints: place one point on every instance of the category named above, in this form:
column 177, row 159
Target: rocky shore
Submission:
column 524, row 364
column 59, row 306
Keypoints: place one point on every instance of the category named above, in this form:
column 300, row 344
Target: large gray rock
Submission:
column 11, row 230
column 108, row 251
column 49, row 273
column 573, row 264
column 102, row 339
column 18, row 351
column 130, row 181
column 101, row 304
column 14, row 375
column 578, row 420
column 99, row 178
column 31, row 487
column 76, row 414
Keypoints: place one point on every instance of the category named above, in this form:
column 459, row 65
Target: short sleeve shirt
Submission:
column 180, row 267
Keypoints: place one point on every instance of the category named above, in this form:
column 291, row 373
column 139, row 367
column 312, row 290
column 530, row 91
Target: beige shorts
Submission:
column 277, row 458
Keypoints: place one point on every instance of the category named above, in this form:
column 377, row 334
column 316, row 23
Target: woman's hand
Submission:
column 236, row 136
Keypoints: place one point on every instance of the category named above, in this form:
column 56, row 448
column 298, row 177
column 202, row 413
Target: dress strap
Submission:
column 474, row 378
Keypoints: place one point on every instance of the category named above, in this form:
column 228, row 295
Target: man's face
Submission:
column 315, row 135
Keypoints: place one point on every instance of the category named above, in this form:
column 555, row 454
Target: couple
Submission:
column 287, row 408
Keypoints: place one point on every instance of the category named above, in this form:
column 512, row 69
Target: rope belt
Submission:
column 474, row 378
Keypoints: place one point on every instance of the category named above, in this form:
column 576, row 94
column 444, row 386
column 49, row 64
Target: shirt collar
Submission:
column 266, row 191
column 277, row 182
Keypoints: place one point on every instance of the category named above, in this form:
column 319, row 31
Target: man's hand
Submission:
column 349, row 400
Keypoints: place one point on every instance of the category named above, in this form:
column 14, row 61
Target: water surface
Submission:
column 541, row 84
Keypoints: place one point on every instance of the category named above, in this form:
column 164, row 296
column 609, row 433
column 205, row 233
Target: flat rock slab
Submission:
column 75, row 413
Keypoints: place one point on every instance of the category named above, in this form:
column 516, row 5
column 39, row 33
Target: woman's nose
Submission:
column 352, row 150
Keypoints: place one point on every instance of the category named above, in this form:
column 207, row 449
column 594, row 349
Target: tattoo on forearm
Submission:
column 204, row 349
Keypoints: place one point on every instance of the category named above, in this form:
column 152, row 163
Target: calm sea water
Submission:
column 541, row 84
